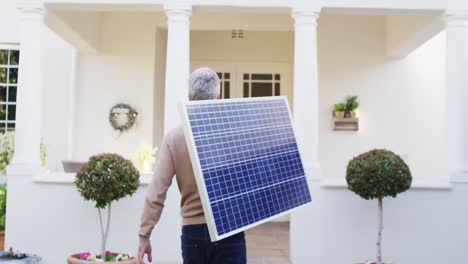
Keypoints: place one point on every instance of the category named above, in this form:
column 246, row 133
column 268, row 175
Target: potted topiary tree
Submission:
column 103, row 179
column 375, row 175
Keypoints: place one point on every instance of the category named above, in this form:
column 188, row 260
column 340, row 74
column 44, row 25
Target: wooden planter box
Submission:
column 346, row 124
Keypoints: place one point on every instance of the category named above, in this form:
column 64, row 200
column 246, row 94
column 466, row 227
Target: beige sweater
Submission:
column 173, row 158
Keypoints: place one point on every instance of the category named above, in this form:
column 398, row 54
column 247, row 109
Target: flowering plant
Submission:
column 144, row 154
column 14, row 255
column 108, row 257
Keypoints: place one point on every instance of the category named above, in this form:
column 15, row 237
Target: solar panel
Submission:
column 246, row 161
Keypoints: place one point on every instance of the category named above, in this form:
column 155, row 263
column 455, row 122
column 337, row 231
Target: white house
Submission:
column 406, row 60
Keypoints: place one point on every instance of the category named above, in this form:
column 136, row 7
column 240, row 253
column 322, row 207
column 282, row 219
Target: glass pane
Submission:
column 220, row 75
column 12, row 94
column 246, row 89
column 14, row 57
column 3, row 57
column 246, row 76
column 227, row 75
column 266, row 77
column 11, row 112
column 11, row 126
column 277, row 77
column 277, row 89
column 13, row 78
column 2, row 126
column 262, row 89
column 3, row 75
column 2, row 112
column 3, row 93
column 226, row 90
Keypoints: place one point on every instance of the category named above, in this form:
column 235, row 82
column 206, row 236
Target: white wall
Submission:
column 420, row 226
column 53, row 221
column 392, row 93
column 122, row 72
column 426, row 66
column 402, row 108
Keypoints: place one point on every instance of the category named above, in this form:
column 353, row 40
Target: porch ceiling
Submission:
column 102, row 6
column 80, row 23
column 396, row 5
column 278, row 20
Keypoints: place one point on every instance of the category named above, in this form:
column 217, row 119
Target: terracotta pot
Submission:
column 75, row 259
column 2, row 240
column 339, row 114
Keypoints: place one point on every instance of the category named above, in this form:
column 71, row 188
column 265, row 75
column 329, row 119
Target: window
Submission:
column 257, row 85
column 9, row 59
column 225, row 79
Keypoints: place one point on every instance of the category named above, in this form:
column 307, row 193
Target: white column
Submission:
column 28, row 111
column 177, row 62
column 72, row 104
column 306, row 88
column 457, row 92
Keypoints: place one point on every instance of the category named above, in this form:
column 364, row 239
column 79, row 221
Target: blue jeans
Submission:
column 197, row 247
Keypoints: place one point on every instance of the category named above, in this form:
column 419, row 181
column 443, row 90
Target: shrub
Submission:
column 3, row 197
column 7, row 149
column 375, row 175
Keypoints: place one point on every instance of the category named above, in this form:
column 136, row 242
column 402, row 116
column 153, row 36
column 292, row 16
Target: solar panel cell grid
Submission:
column 248, row 160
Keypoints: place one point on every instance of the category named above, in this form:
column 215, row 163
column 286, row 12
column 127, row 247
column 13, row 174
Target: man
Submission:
column 174, row 158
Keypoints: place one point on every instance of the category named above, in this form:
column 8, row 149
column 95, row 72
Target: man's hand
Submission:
column 144, row 248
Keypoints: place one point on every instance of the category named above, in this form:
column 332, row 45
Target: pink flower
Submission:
column 85, row 255
column 108, row 252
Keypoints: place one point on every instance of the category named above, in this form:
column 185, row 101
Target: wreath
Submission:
column 117, row 111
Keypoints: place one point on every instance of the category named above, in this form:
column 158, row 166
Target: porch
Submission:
column 404, row 70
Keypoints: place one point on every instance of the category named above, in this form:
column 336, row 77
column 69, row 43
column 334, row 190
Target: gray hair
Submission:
column 204, row 84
